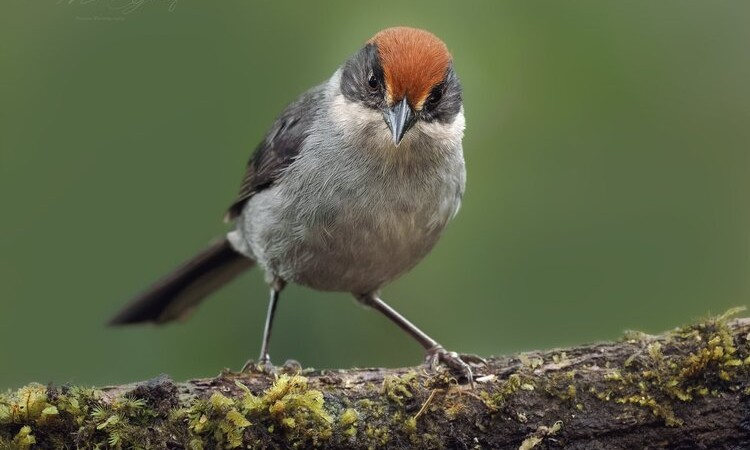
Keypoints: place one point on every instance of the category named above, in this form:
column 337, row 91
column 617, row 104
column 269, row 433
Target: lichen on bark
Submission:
column 688, row 388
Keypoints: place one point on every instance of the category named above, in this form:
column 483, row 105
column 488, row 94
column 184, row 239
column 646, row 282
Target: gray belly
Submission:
column 333, row 245
column 362, row 254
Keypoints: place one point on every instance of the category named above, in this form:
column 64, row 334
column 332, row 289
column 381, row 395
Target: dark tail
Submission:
column 175, row 295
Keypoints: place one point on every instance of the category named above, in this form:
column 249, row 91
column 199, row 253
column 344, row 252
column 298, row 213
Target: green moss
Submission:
column 454, row 410
column 122, row 420
column 495, row 399
column 291, row 408
column 348, row 422
column 410, row 425
column 530, row 442
column 398, row 389
column 287, row 409
column 24, row 439
column 530, row 362
column 561, row 385
column 377, row 436
column 195, row 444
column 365, row 403
column 59, row 413
column 539, row 435
column 28, row 404
column 288, row 413
column 695, row 361
column 348, row 417
column 218, row 419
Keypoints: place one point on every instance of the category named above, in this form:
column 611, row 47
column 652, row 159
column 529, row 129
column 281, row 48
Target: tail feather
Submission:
column 175, row 295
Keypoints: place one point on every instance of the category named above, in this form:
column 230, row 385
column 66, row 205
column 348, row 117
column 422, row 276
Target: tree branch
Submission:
column 686, row 389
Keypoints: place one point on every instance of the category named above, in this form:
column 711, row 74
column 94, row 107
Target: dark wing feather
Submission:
column 278, row 149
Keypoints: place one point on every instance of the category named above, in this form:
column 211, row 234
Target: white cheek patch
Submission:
column 350, row 113
column 453, row 131
column 356, row 121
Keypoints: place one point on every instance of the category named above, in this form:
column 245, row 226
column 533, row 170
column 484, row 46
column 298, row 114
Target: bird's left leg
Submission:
column 435, row 353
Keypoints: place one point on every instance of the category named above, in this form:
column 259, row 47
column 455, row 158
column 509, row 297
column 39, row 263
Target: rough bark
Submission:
column 686, row 389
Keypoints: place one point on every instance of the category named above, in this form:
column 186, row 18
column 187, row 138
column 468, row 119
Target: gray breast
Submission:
column 350, row 216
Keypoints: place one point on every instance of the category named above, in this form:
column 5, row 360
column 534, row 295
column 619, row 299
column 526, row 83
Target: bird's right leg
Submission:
column 264, row 360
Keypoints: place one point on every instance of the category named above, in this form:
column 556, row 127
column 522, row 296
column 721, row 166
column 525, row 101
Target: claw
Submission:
column 291, row 366
column 473, row 359
column 264, row 366
column 456, row 363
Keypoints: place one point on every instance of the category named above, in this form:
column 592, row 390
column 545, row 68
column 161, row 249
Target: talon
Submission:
column 291, row 366
column 432, row 358
column 453, row 361
column 473, row 359
column 248, row 366
column 263, row 366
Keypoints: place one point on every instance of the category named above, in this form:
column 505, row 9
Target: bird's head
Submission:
column 407, row 75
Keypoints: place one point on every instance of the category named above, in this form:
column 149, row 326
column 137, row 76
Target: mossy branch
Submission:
column 685, row 389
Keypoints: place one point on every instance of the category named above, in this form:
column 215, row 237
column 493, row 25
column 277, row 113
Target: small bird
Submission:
column 350, row 188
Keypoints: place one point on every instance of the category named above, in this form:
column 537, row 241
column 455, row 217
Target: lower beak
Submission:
column 399, row 119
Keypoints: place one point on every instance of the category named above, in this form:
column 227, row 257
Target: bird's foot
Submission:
column 291, row 366
column 262, row 366
column 265, row 367
column 458, row 364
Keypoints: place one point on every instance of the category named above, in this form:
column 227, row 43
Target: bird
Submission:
column 349, row 189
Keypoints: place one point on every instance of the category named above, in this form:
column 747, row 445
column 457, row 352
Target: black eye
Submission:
column 373, row 82
column 435, row 96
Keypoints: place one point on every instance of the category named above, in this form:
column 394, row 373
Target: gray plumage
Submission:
column 350, row 188
column 352, row 212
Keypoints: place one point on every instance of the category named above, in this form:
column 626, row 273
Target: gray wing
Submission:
column 278, row 149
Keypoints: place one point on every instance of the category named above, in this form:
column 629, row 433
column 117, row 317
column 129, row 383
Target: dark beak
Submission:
column 399, row 119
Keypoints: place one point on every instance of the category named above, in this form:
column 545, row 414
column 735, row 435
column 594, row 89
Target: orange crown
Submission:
column 413, row 61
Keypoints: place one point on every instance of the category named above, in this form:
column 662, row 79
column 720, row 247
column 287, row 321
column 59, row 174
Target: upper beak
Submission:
column 399, row 119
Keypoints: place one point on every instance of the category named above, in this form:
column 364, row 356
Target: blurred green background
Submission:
column 606, row 143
